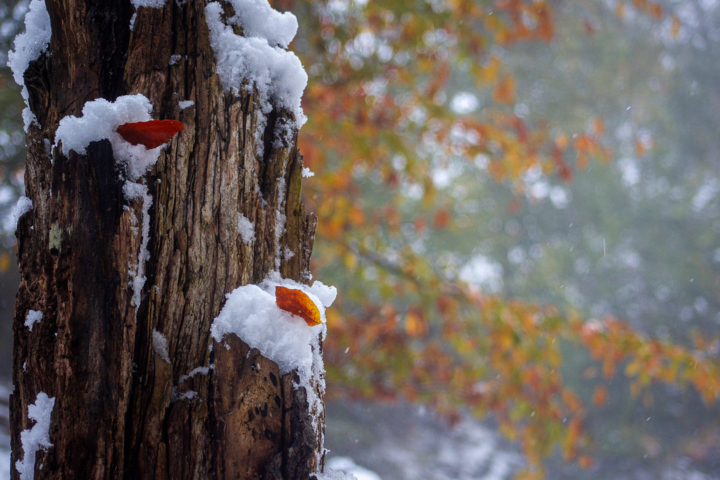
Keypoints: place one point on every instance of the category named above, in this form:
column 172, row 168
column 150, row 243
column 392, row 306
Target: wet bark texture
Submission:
column 122, row 411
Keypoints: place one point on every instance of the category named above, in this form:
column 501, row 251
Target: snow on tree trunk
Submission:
column 129, row 269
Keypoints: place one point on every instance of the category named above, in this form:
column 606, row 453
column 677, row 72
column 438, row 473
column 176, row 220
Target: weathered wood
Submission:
column 121, row 411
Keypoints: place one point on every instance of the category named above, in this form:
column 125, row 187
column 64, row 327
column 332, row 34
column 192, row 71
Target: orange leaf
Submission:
column 4, row 262
column 152, row 134
column 415, row 325
column 585, row 462
column 675, row 27
column 640, row 148
column 298, row 303
column 441, row 220
column 600, row 395
column 656, row 10
column 505, row 90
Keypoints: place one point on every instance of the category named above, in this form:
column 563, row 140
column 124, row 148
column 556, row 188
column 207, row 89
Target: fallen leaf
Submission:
column 152, row 134
column 298, row 303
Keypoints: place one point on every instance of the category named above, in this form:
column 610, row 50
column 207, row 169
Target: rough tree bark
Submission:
column 120, row 410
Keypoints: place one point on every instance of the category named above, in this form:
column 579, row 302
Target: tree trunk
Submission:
column 121, row 411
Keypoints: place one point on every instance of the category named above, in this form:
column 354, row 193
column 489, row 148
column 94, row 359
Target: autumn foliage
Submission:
column 376, row 110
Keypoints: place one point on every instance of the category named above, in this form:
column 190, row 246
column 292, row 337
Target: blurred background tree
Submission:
column 497, row 182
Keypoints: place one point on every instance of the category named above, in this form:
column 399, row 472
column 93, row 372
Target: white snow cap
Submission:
column 258, row 19
column 277, row 74
column 36, row 438
column 246, row 229
column 99, row 121
column 252, row 314
column 28, row 47
column 32, row 318
column 23, row 205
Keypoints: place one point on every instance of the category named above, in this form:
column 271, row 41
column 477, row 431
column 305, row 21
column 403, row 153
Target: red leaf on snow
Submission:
column 152, row 134
column 298, row 303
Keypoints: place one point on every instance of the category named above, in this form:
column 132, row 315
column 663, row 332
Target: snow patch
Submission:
column 23, row 205
column 326, row 294
column 247, row 63
column 149, row 3
column 99, row 121
column 160, row 346
column 258, row 19
column 335, row 475
column 348, row 466
column 306, row 173
column 189, row 395
column 186, row 104
column 198, row 370
column 36, row 438
column 28, row 118
column 280, row 219
column 28, row 47
column 246, row 229
column 33, row 317
column 133, row 190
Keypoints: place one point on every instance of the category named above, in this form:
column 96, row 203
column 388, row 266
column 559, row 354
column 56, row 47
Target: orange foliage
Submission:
column 445, row 344
column 599, row 396
column 505, row 90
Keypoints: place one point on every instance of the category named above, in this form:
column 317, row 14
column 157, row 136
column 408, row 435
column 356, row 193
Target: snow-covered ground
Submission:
column 406, row 442
column 403, row 442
